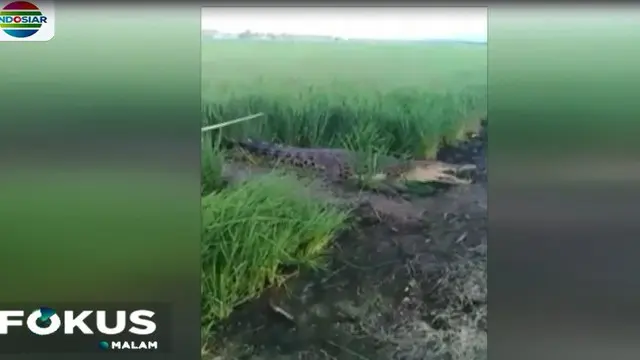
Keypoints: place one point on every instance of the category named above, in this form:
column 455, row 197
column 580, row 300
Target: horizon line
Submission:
column 468, row 39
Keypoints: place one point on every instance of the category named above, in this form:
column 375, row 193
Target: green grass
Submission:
column 252, row 229
column 391, row 98
column 212, row 163
column 320, row 94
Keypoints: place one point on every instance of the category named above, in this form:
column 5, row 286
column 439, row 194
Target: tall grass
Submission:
column 323, row 94
column 252, row 229
column 212, row 164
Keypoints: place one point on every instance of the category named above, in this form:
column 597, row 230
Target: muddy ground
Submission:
column 407, row 281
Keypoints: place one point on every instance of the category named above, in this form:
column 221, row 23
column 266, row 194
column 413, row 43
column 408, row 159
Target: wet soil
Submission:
column 406, row 281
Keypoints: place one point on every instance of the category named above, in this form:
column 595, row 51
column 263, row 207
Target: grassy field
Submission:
column 395, row 97
column 388, row 98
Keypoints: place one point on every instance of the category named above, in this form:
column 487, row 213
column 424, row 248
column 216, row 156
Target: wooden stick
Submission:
column 231, row 122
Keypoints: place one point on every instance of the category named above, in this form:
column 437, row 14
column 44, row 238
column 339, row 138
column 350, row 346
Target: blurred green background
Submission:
column 100, row 161
column 562, row 80
column 100, row 156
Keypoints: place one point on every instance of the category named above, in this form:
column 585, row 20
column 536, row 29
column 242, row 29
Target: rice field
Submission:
column 397, row 98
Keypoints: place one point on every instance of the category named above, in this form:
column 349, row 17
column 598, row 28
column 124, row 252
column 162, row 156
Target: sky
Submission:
column 459, row 23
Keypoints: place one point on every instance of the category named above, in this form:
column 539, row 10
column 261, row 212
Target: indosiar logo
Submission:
column 26, row 21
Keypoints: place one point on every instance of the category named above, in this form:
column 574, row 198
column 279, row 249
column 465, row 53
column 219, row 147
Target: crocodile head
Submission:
column 397, row 177
column 434, row 171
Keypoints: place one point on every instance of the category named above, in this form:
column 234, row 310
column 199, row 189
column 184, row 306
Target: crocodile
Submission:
column 340, row 165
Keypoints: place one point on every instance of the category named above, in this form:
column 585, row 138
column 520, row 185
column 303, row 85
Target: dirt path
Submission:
column 407, row 282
